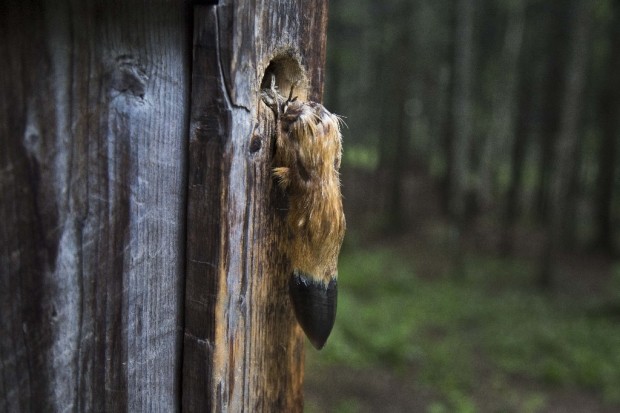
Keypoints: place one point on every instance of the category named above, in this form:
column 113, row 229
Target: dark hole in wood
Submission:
column 288, row 72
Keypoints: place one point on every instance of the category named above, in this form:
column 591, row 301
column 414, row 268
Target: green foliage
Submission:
column 362, row 157
column 447, row 333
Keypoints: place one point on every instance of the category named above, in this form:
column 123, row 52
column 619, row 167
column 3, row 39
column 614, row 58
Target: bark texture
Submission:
column 243, row 350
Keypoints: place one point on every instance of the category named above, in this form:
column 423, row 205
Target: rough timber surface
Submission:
column 243, row 350
column 94, row 103
column 138, row 261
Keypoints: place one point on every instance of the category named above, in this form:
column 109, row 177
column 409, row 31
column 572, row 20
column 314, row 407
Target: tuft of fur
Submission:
column 308, row 151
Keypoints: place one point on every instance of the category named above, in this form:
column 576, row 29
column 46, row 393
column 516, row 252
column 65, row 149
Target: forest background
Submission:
column 481, row 269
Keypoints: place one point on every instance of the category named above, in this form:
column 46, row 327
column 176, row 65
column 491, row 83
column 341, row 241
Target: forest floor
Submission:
column 418, row 331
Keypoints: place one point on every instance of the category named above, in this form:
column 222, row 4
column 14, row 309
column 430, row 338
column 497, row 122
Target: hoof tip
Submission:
column 315, row 306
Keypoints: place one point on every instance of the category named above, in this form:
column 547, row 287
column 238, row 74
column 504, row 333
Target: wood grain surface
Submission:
column 243, row 350
column 93, row 163
column 139, row 268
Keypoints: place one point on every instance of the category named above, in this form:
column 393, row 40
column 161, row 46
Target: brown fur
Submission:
column 306, row 165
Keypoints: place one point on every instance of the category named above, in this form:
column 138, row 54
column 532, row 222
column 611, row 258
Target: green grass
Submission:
column 454, row 336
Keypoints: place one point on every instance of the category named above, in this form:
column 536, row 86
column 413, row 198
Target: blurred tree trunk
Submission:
column 401, row 57
column 447, row 183
column 462, row 110
column 566, row 149
column 386, row 76
column 333, row 80
column 462, row 128
column 557, row 39
column 609, row 115
column 525, row 111
column 501, row 132
column 385, row 114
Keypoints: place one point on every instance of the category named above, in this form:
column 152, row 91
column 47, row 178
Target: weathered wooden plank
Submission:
column 93, row 120
column 243, row 350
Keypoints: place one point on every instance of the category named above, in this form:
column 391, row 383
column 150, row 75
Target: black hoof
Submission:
column 315, row 306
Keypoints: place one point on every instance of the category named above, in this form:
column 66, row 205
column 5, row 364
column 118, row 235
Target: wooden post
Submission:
column 93, row 115
column 137, row 212
column 243, row 350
